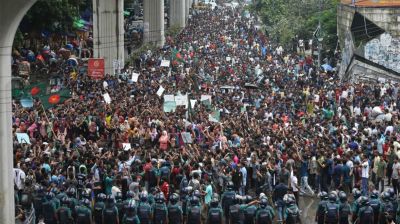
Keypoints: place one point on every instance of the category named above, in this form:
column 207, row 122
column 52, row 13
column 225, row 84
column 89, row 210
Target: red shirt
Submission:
column 165, row 190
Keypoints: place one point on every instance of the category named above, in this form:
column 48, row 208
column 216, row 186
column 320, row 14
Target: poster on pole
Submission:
column 96, row 68
column 135, row 77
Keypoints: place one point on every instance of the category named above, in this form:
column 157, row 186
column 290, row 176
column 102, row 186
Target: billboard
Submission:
column 96, row 68
column 372, row 3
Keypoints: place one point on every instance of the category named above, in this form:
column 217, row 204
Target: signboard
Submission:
column 96, row 68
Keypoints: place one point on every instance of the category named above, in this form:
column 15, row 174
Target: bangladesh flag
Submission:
column 37, row 89
column 176, row 56
column 50, row 100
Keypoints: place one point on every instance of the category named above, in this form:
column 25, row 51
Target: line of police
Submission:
column 58, row 207
column 334, row 208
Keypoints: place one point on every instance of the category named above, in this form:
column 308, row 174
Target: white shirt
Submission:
column 293, row 183
column 244, row 175
column 365, row 170
column 19, row 178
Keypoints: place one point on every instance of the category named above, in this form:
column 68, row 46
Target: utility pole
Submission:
column 319, row 36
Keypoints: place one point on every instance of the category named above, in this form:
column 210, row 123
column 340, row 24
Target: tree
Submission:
column 284, row 19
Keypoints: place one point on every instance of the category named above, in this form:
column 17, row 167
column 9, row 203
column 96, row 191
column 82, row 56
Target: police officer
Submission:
column 194, row 211
column 185, row 198
column 110, row 212
column 119, row 204
column 265, row 213
column 292, row 213
column 49, row 209
column 227, row 199
column 64, row 213
column 73, row 202
column 38, row 199
column 249, row 211
column 130, row 216
column 386, row 211
column 234, row 212
column 160, row 213
column 331, row 210
column 375, row 204
column 175, row 213
column 355, row 204
column 144, row 209
column 83, row 212
column 365, row 213
column 344, row 208
column 98, row 208
column 320, row 215
column 215, row 211
column 125, row 204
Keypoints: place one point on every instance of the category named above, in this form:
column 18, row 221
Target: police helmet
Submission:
column 263, row 203
column 248, row 198
column 356, row 193
column 71, row 192
column 342, row 196
column 194, row 200
column 143, row 196
column 118, row 196
column 230, row 186
column 65, row 200
column 159, row 198
column 101, row 197
column 49, row 195
column 386, row 196
column 130, row 194
column 110, row 198
column 323, row 195
column 85, row 202
column 174, row 198
column 86, row 193
column 197, row 193
column 375, row 194
column 332, row 197
column 363, row 201
column 214, row 202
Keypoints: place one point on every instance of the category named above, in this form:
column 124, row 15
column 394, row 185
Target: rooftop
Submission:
column 372, row 3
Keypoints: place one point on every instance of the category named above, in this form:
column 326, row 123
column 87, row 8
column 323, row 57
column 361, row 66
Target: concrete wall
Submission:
column 361, row 71
column 387, row 19
column 108, row 32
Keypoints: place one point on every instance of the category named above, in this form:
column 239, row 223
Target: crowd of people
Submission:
column 275, row 128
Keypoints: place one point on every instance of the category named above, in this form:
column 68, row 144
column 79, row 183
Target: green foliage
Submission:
column 53, row 15
column 284, row 19
column 173, row 31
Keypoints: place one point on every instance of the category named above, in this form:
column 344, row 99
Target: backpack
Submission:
column 227, row 200
column 388, row 210
column 331, row 215
column 63, row 216
column 194, row 215
column 98, row 212
column 375, row 204
column 131, row 220
column 367, row 216
column 82, row 217
column 264, row 217
column 249, row 214
column 293, row 215
column 234, row 213
column 174, row 214
column 159, row 213
column 144, row 213
column 344, row 211
column 110, row 215
column 48, row 211
column 214, row 215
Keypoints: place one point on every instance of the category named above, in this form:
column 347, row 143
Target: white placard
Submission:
column 165, row 63
column 228, row 58
column 160, row 91
column 192, row 103
column 126, row 146
column 182, row 101
column 107, row 98
column 23, row 138
column 135, row 77
column 205, row 97
column 169, row 98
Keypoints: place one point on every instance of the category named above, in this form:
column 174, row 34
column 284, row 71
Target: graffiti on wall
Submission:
column 384, row 50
